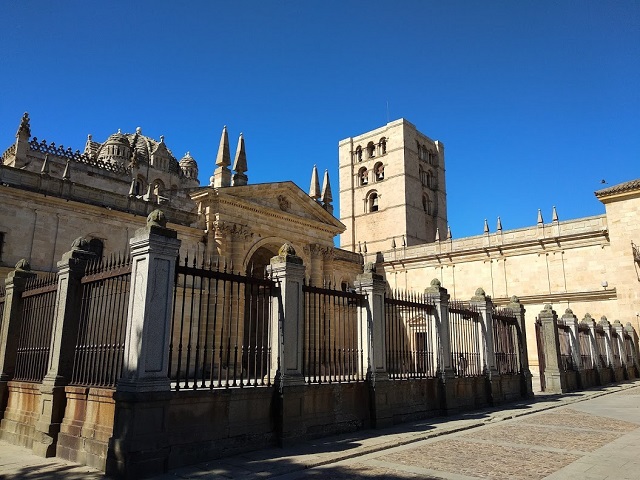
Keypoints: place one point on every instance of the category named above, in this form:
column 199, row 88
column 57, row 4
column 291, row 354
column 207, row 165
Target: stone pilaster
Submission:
column 571, row 322
column 634, row 349
column 442, row 348
column 526, row 387
column 63, row 341
column 619, row 339
column 10, row 326
column 555, row 379
column 373, row 344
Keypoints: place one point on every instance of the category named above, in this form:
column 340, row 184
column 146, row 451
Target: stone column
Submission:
column 287, row 270
column 526, row 387
column 63, row 342
column 373, row 344
column 606, row 327
column 10, row 326
column 555, row 379
column 484, row 305
column 138, row 446
column 440, row 298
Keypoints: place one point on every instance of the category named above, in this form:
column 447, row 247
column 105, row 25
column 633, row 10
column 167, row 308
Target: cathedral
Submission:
column 393, row 213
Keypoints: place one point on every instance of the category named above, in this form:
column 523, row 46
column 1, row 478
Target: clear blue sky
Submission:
column 536, row 102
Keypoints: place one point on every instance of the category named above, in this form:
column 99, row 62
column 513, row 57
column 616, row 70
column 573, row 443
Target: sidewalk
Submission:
column 355, row 448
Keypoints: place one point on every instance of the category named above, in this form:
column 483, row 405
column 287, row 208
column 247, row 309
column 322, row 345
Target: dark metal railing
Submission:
column 333, row 336
column 615, row 349
column 464, row 339
column 410, row 336
column 506, row 341
column 38, row 313
column 220, row 331
column 2, row 296
column 566, row 357
column 584, row 340
column 99, row 350
column 628, row 348
column 601, row 344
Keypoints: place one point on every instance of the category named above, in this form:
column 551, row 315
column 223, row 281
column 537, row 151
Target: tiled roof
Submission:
column 620, row 188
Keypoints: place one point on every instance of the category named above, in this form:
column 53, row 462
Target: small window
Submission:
column 426, row 204
column 383, row 146
column 96, row 246
column 359, row 153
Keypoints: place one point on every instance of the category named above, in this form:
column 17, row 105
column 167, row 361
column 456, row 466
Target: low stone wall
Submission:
column 400, row 401
column 21, row 414
column 87, row 426
column 508, row 388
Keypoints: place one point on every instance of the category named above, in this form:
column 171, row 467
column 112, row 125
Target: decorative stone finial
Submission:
column 369, row 267
column 157, row 218
column 486, row 226
column 540, row 221
column 448, row 232
column 314, row 188
column 25, row 127
column 499, row 225
column 286, row 254
column 139, row 130
column 480, row 292
column 327, row 196
column 66, row 175
column 436, row 283
column 548, row 307
column 23, row 265
column 240, row 164
column 437, row 239
column 514, row 299
column 554, row 215
column 80, row 243
column 568, row 311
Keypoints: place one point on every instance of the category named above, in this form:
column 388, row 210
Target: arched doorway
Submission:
column 257, row 312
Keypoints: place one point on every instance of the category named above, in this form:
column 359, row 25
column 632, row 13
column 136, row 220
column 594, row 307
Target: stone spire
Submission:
column 24, row 130
column 499, row 226
column 486, row 226
column 540, row 221
column 240, row 164
column 314, row 189
column 327, row 198
column 448, row 232
column 222, row 175
column 554, row 215
column 437, row 239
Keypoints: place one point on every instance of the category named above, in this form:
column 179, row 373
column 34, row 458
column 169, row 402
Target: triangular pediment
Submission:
column 281, row 200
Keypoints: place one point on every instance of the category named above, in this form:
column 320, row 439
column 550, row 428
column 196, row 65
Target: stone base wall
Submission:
column 22, row 413
column 467, row 393
column 508, row 388
column 87, row 426
column 400, row 401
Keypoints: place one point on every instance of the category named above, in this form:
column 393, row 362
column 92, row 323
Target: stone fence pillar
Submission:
column 484, row 305
column 606, row 327
column 138, row 445
column 440, row 298
column 555, row 379
column 63, row 342
column 526, row 386
column 287, row 270
column 373, row 344
column 634, row 348
column 10, row 327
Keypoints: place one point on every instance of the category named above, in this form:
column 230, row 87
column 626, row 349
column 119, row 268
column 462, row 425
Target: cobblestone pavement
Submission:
column 587, row 436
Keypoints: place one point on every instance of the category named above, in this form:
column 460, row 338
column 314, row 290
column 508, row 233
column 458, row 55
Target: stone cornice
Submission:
column 558, row 298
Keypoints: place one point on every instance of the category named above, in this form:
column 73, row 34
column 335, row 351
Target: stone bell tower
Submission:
column 392, row 188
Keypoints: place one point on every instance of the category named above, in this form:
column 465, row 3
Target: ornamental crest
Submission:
column 284, row 203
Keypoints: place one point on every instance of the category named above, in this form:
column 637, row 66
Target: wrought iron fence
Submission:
column 220, row 330
column 34, row 341
column 99, row 349
column 333, row 336
column 601, row 344
column 584, row 340
column 2, row 296
column 506, row 341
column 628, row 348
column 410, row 336
column 566, row 357
column 615, row 349
column 464, row 338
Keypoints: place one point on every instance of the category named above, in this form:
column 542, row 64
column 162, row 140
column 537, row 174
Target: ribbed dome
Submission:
column 188, row 161
column 117, row 139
